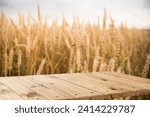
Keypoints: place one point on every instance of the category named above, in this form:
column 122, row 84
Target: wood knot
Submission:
column 3, row 91
column 31, row 94
column 113, row 88
column 104, row 80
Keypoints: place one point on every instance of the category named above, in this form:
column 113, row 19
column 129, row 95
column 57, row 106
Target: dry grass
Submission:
column 34, row 47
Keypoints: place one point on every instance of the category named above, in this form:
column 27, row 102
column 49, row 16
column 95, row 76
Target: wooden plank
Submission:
column 20, row 89
column 122, row 89
column 90, row 84
column 121, row 81
column 127, row 81
column 74, row 86
column 141, row 88
column 40, row 88
column 131, row 77
column 8, row 94
column 62, row 88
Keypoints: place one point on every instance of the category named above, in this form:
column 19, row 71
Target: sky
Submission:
column 135, row 13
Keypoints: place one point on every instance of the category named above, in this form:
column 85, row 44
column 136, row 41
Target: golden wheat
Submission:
column 71, row 48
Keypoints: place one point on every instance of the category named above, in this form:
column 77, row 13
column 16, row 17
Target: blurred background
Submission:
column 135, row 13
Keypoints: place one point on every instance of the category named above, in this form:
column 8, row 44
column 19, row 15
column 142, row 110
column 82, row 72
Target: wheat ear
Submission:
column 39, row 71
column 10, row 62
column 19, row 60
column 146, row 67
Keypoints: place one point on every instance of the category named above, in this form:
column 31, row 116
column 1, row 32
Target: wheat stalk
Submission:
column 111, row 65
column 10, row 62
column 146, row 66
column 96, row 60
column 103, row 65
column 104, row 20
column 39, row 71
column 39, row 12
column 5, row 37
column 19, row 60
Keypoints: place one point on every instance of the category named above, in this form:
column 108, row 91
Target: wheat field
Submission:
column 34, row 47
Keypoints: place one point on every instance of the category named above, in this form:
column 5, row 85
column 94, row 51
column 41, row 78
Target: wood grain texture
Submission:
column 7, row 93
column 87, row 86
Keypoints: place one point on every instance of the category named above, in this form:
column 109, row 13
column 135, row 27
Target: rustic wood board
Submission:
column 58, row 89
column 20, row 89
column 7, row 93
column 87, row 86
column 130, row 86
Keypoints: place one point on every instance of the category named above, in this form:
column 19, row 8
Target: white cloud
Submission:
column 134, row 12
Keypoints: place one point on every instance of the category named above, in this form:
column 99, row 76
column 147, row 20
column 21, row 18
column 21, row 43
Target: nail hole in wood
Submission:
column 104, row 80
column 113, row 89
column 31, row 94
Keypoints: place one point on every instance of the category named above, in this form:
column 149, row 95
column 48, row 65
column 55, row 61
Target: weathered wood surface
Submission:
column 74, row 86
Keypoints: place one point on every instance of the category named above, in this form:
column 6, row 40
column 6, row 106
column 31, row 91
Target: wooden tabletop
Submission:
column 73, row 86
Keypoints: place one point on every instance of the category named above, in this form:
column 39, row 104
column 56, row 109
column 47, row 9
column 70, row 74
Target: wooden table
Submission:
column 75, row 86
